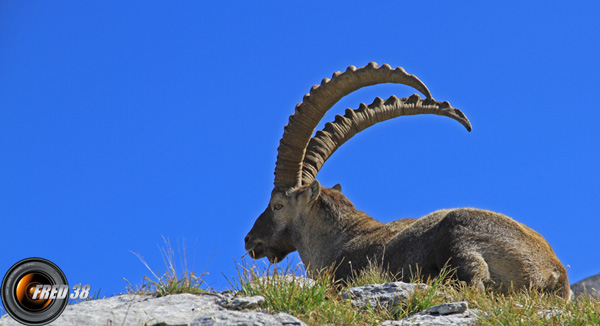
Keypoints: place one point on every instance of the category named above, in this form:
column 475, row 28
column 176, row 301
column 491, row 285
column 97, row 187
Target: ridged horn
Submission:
column 308, row 113
column 328, row 140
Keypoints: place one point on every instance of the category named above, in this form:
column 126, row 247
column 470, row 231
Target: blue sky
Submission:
column 122, row 122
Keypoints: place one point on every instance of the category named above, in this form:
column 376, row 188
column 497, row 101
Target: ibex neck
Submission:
column 331, row 228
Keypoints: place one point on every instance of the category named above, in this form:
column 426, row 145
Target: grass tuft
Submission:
column 171, row 281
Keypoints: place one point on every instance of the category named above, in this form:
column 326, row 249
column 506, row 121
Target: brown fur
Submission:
column 488, row 249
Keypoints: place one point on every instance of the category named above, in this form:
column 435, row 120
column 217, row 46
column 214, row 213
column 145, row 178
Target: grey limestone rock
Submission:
column 383, row 295
column 548, row 314
column 447, row 308
column 247, row 318
column 178, row 309
column 242, row 302
column 448, row 314
column 591, row 285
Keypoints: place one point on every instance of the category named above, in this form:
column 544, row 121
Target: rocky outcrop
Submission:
column 227, row 309
column 591, row 285
column 178, row 309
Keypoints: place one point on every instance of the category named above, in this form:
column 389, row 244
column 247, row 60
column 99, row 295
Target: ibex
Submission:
column 486, row 249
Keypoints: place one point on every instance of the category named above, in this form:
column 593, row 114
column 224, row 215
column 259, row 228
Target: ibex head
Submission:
column 271, row 234
column 300, row 157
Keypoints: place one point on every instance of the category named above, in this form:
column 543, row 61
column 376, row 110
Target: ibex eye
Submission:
column 277, row 206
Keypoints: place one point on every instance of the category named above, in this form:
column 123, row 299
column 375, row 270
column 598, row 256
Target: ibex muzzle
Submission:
column 269, row 238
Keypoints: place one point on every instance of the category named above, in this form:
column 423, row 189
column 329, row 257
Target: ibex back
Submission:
column 487, row 249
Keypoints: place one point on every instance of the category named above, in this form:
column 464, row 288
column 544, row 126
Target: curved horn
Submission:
column 328, row 140
column 308, row 114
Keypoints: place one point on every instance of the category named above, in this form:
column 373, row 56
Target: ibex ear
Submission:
column 337, row 187
column 313, row 191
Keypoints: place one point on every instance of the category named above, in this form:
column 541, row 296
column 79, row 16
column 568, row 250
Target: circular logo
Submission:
column 33, row 291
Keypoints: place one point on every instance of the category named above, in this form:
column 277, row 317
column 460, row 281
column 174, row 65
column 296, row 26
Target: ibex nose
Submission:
column 246, row 239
